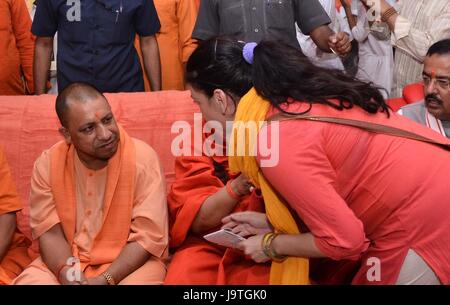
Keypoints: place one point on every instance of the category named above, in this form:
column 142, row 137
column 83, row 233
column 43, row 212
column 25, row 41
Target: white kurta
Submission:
column 376, row 60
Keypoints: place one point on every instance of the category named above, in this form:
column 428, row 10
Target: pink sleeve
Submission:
column 149, row 224
column 305, row 177
column 43, row 215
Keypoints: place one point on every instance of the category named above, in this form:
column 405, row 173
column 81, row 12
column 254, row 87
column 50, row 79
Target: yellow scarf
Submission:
column 252, row 108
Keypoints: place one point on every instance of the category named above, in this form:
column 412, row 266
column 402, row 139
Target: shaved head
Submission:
column 75, row 92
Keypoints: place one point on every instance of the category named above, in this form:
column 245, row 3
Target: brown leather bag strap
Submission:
column 372, row 127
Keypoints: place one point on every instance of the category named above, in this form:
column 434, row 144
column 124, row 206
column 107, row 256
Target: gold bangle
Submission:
column 273, row 254
column 108, row 277
column 388, row 14
column 264, row 243
column 268, row 250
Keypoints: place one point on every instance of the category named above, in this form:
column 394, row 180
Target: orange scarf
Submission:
column 293, row 270
column 118, row 201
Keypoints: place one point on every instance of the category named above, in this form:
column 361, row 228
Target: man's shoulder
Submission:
column 415, row 112
column 414, row 106
column 44, row 157
column 145, row 154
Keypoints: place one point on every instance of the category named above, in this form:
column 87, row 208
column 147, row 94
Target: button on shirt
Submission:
column 96, row 40
column 254, row 20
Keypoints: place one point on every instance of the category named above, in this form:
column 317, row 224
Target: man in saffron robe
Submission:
column 175, row 42
column 16, row 48
column 13, row 244
column 97, row 201
column 205, row 191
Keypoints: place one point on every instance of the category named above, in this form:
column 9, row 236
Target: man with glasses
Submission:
column 434, row 111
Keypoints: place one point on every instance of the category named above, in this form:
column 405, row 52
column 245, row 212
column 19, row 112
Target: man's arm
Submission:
column 130, row 259
column 55, row 252
column 152, row 63
column 42, row 58
column 219, row 205
column 326, row 40
column 7, row 229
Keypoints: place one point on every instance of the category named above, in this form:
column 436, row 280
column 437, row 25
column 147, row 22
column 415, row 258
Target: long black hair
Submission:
column 278, row 72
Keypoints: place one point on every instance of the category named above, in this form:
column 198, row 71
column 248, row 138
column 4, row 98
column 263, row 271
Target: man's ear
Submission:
column 224, row 101
column 65, row 133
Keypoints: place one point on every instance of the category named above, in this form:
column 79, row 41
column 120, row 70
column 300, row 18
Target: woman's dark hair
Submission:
column 278, row 72
column 218, row 64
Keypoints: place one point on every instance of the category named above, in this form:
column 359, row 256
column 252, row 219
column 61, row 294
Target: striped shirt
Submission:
column 420, row 24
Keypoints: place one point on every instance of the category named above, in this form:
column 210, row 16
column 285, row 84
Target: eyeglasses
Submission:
column 441, row 82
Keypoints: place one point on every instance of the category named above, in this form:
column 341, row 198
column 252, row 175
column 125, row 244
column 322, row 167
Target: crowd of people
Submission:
column 346, row 203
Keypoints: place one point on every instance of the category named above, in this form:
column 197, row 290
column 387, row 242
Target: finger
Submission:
column 236, row 230
column 226, row 219
column 342, row 43
column 345, row 50
column 240, row 230
column 332, row 39
column 229, row 225
column 242, row 216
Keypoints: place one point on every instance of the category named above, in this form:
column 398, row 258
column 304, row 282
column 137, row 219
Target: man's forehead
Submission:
column 92, row 110
column 437, row 63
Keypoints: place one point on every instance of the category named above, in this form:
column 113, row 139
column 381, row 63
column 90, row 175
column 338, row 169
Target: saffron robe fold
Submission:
column 16, row 48
column 16, row 258
column 195, row 260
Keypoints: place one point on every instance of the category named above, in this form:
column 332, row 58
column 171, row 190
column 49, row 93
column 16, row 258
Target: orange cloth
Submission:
column 175, row 43
column 196, row 261
column 146, row 116
column 16, row 48
column 252, row 108
column 16, row 259
column 124, row 202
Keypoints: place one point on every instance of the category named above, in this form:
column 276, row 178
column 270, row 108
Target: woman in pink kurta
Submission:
column 365, row 196
column 379, row 200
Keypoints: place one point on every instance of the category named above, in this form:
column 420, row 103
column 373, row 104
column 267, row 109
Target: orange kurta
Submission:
column 175, row 43
column 124, row 202
column 196, row 261
column 16, row 259
column 16, row 48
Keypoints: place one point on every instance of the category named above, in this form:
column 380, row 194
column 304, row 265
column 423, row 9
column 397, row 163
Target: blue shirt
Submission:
column 96, row 42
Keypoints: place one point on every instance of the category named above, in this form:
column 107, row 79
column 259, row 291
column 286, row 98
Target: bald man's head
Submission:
column 75, row 92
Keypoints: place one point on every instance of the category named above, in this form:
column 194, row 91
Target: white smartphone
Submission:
column 224, row 238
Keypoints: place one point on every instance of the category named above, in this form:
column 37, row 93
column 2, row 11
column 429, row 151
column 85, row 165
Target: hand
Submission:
column 98, row 280
column 252, row 247
column 340, row 43
column 241, row 185
column 69, row 276
column 247, row 223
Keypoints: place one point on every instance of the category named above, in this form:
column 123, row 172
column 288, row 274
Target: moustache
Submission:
column 432, row 98
column 103, row 144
